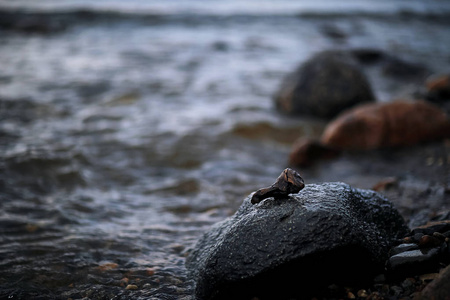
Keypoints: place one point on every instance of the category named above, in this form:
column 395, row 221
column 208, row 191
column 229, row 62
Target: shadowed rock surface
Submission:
column 323, row 86
column 323, row 235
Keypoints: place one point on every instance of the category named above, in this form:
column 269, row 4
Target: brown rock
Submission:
column 362, row 294
column 439, row 288
column 107, row 267
column 306, row 151
column 131, row 287
column 381, row 125
column 428, row 241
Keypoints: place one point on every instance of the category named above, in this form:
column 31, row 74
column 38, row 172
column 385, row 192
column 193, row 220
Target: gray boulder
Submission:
column 279, row 249
column 323, row 86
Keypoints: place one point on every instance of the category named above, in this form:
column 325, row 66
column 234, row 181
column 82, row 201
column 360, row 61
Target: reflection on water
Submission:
column 128, row 129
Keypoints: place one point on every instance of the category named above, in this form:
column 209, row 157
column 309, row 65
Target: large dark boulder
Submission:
column 277, row 249
column 323, row 86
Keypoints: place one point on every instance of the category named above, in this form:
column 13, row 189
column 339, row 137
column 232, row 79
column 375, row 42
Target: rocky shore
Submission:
column 332, row 241
column 128, row 129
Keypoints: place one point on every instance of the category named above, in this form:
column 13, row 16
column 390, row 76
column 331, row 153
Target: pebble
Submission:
column 131, row 287
column 428, row 241
column 124, row 281
column 439, row 236
column 362, row 293
column 413, row 256
column 403, row 248
column 107, row 267
column 408, row 282
column 395, row 291
column 417, row 236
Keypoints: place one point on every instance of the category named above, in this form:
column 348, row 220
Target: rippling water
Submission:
column 128, row 128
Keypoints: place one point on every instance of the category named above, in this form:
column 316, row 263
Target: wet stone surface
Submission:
column 313, row 238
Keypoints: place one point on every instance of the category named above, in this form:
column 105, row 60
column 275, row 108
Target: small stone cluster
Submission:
column 424, row 250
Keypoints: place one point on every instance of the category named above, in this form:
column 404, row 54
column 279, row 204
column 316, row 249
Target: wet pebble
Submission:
column 403, row 248
column 362, row 293
column 409, row 260
column 131, row 287
column 428, row 241
column 107, row 267
column 395, row 291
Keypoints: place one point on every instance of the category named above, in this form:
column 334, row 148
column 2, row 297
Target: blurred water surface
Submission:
column 129, row 127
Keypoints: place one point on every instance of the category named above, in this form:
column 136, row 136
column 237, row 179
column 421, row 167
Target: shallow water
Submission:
column 127, row 130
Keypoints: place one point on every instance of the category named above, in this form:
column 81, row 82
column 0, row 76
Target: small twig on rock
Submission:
column 289, row 182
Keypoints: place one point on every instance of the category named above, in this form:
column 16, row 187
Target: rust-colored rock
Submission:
column 381, row 125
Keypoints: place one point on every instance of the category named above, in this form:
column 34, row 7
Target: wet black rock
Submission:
column 276, row 249
column 323, row 86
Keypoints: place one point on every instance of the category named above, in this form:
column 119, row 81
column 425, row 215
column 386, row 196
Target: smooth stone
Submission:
column 324, row 85
column 384, row 125
column 403, row 248
column 285, row 248
column 414, row 262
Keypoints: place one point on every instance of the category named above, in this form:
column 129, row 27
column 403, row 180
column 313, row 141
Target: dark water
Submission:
column 128, row 128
